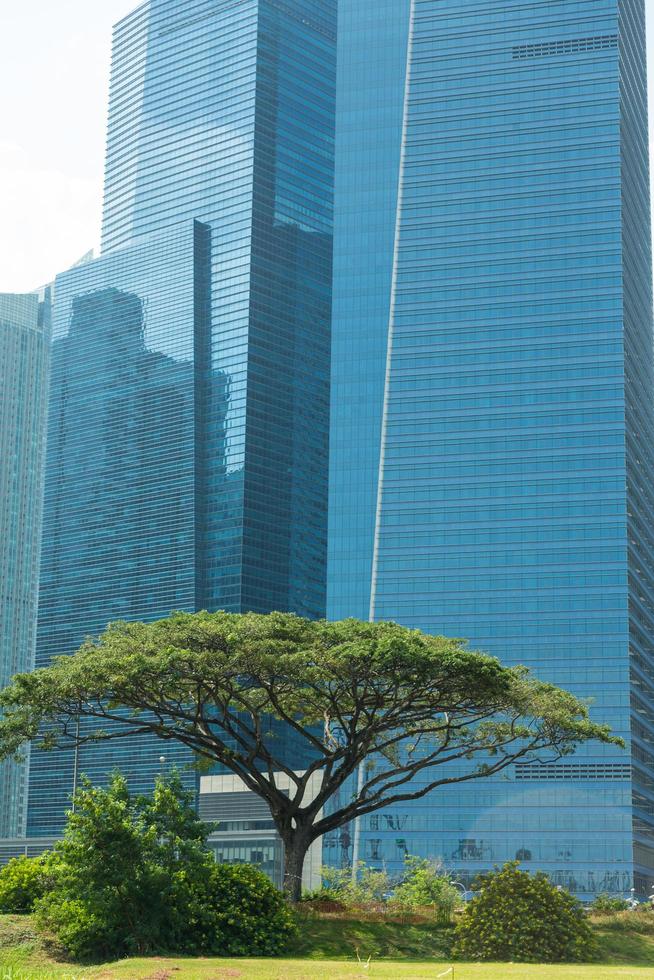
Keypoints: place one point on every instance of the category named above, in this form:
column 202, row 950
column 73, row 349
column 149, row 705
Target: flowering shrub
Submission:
column 518, row 917
column 245, row 914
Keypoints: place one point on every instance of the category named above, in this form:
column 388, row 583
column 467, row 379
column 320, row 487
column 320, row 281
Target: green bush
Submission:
column 134, row 876
column 523, row 918
column 111, row 876
column 604, row 904
column 22, row 881
column 425, row 885
column 244, row 914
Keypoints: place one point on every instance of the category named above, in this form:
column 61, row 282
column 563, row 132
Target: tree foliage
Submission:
column 523, row 918
column 348, row 692
column 133, row 875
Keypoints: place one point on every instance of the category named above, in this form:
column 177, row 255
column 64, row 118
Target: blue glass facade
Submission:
column 24, row 339
column 224, row 113
column 188, row 442
column 492, row 377
column 119, row 536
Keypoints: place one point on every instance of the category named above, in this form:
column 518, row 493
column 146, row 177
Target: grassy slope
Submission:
column 627, row 937
column 327, row 948
column 340, row 937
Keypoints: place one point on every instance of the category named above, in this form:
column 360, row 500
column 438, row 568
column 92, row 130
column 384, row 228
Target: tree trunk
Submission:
column 295, row 851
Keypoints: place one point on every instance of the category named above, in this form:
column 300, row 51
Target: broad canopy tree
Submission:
column 374, row 699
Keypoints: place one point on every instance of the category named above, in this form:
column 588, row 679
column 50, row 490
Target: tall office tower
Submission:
column 24, row 339
column 493, row 429
column 188, row 441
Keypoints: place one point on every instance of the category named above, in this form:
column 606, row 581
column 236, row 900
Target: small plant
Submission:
column 325, row 899
column 606, row 904
column 370, row 886
column 22, row 882
column 523, row 918
column 425, row 885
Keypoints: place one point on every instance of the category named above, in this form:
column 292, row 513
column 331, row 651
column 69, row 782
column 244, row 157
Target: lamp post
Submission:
column 356, row 846
column 76, row 762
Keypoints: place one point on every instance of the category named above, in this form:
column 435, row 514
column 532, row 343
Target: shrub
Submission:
column 22, row 881
column 135, row 876
column 523, row 918
column 606, row 904
column 244, row 914
column 111, row 875
column 426, row 886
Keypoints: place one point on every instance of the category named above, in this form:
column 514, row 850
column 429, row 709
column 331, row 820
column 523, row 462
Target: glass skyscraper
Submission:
column 188, row 433
column 492, row 462
column 24, row 339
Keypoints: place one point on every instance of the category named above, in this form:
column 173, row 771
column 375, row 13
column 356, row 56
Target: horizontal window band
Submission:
column 571, row 770
column 545, row 49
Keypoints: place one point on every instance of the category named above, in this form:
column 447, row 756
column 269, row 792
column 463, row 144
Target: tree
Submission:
column 374, row 698
column 523, row 918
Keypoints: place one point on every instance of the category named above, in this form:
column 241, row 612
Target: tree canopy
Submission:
column 350, row 692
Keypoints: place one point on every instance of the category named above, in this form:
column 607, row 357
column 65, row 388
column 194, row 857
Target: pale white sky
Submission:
column 54, row 75
column 54, row 82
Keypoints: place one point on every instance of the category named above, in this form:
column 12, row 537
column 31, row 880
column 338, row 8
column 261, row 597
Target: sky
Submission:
column 54, row 81
column 54, row 84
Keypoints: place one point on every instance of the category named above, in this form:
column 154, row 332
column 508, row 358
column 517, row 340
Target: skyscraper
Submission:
column 492, row 465
column 188, row 437
column 24, row 338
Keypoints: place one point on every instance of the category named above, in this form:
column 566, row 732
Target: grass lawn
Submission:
column 201, row 969
column 327, row 950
